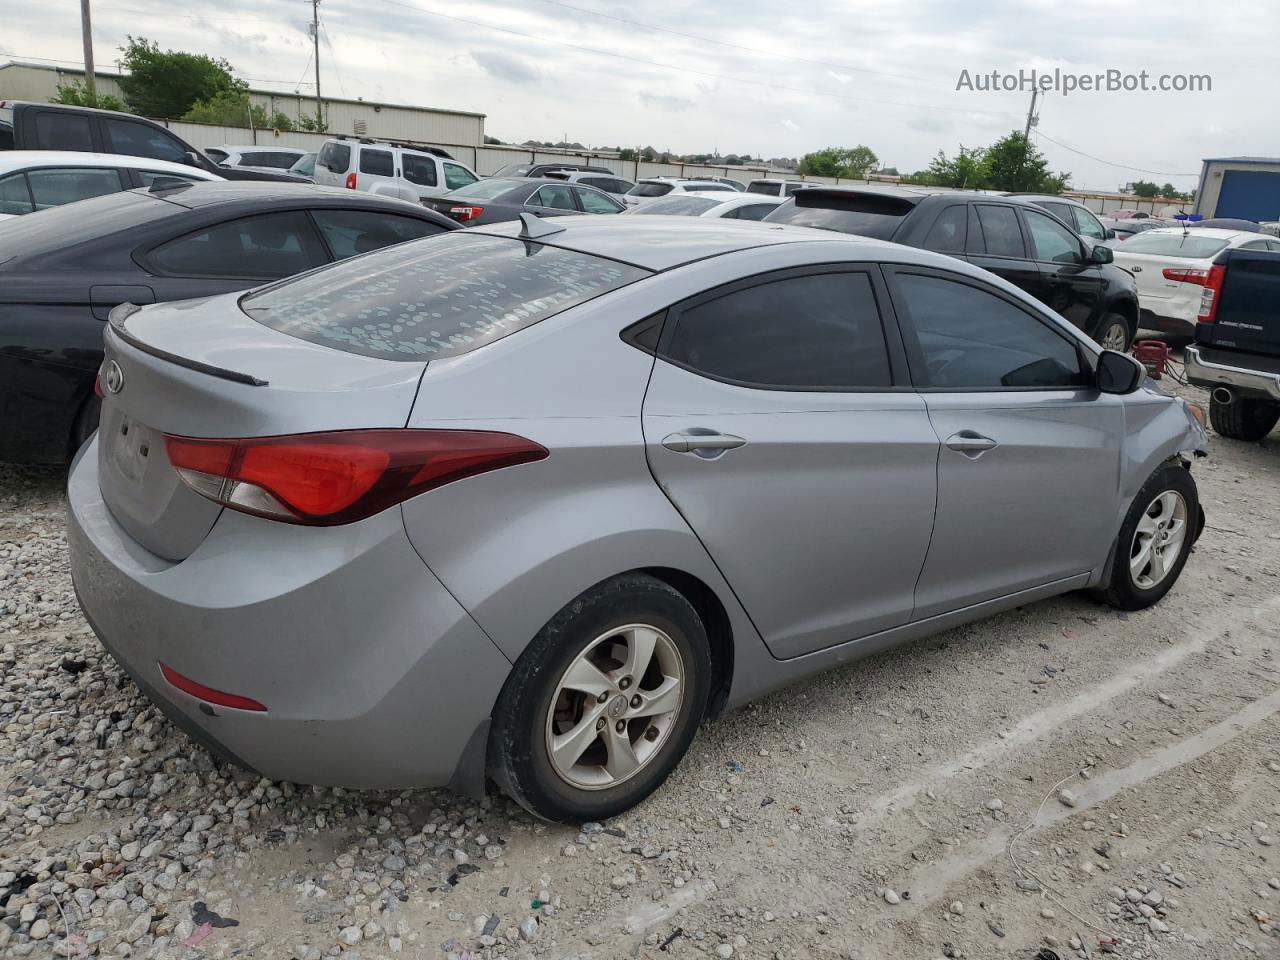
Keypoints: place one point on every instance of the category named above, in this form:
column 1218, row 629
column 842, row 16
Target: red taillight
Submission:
column 1178, row 275
column 465, row 214
column 1209, row 295
column 323, row 479
column 208, row 694
column 351, row 181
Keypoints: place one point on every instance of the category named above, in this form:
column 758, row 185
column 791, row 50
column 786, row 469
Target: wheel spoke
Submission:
column 622, row 760
column 567, row 748
column 1147, row 524
column 640, row 644
column 655, row 703
column 1139, row 563
column 586, row 677
column 1157, row 565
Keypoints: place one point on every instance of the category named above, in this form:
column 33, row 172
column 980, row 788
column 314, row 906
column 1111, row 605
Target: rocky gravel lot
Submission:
column 1061, row 781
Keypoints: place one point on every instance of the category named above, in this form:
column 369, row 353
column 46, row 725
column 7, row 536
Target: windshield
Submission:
column 485, row 189
column 515, row 170
column 436, row 297
column 1184, row 246
column 649, row 190
column 680, row 206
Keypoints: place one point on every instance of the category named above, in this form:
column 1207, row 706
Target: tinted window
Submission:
column 649, row 190
column 151, row 177
column 601, row 183
column 593, row 202
column 753, row 211
column 143, row 140
column 56, row 130
column 271, row 245
column 217, row 155
column 514, row 170
column 1059, row 210
column 972, row 339
column 1087, row 224
column 1000, row 231
column 866, row 214
column 768, row 189
column 417, row 169
column 349, row 232
column 53, row 188
column 456, row 175
column 6, row 136
column 814, row 332
column 1050, row 240
column 335, row 157
column 435, row 298
column 267, row 158
column 791, row 188
column 948, row 231
column 558, row 197
column 305, row 165
column 377, row 162
column 1187, row 245
column 14, row 198
column 680, row 205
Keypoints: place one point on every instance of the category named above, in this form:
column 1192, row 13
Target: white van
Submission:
column 390, row 169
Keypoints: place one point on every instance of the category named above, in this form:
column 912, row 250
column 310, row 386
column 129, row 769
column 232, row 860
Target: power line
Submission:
column 80, row 63
column 1110, row 163
column 701, row 73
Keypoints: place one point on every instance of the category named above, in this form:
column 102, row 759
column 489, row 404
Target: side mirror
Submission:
column 1111, row 233
column 1101, row 254
column 191, row 160
column 1118, row 372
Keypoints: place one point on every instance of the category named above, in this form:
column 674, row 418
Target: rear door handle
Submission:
column 970, row 443
column 691, row 441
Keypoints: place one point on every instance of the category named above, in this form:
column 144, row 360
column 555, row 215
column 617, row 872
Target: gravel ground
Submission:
column 1063, row 780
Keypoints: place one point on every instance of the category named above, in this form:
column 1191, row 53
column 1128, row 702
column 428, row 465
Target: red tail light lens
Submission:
column 351, row 181
column 1186, row 276
column 465, row 214
column 1209, row 295
column 208, row 694
column 324, row 479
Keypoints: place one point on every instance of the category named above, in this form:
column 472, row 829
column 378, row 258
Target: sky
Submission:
column 751, row 76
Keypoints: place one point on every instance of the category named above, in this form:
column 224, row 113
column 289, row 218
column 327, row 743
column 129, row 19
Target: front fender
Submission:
column 1158, row 427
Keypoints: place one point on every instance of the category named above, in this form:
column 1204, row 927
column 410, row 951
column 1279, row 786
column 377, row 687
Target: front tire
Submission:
column 1155, row 539
column 603, row 704
column 1114, row 333
column 1245, row 418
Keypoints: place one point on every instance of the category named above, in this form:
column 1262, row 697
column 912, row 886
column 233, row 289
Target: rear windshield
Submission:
column 682, row 205
column 1179, row 245
column 649, row 190
column 437, row 297
column 485, row 189
column 868, row 215
column 760, row 186
column 84, row 220
column 515, row 170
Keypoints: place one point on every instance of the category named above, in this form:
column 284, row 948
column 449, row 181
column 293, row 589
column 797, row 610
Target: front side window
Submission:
column 56, row 130
column 143, row 140
column 434, row 298
column 271, row 245
column 456, row 175
column 53, row 188
column 970, row 339
column 557, row 197
column 1052, row 241
column 418, row 169
column 812, row 332
column 1000, row 231
column 349, row 232
column 595, row 202
column 15, row 199
column 378, row 163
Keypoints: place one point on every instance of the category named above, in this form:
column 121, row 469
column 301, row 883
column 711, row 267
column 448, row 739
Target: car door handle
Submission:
column 691, row 441
column 970, row 443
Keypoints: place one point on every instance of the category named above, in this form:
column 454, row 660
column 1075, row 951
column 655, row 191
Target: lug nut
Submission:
column 621, row 726
column 651, row 734
column 600, row 724
column 602, row 698
column 636, row 701
column 624, row 683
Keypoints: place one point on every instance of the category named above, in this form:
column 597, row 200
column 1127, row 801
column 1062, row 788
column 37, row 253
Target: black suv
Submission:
column 52, row 126
column 1013, row 238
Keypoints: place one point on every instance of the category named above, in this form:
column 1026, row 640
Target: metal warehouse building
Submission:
column 29, row 81
column 1245, row 187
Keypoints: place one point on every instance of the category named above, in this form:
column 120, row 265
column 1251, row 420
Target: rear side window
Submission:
column 947, row 234
column 6, row 136
column 378, row 163
column 1000, row 230
column 752, row 211
column 1087, row 225
column 867, row 214
column 143, row 140
column 335, row 157
column 151, row 177
column 53, row 188
column 557, row 197
column 349, row 232
column 811, row 332
column 456, row 175
column 417, row 169
column 15, row 199
column 271, row 245
column 434, row 298
column 768, row 189
column 56, row 130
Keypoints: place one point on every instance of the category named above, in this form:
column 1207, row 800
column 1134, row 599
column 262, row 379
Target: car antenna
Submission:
column 534, row 227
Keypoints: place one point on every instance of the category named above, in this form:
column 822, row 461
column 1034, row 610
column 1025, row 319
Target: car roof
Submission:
column 11, row 160
column 252, row 147
column 1045, row 196
column 1217, row 233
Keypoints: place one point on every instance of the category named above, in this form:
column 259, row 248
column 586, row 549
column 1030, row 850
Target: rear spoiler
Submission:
column 115, row 323
column 855, row 201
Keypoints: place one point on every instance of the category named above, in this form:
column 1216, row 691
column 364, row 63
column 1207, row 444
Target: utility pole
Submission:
column 1031, row 114
column 86, row 28
column 315, row 36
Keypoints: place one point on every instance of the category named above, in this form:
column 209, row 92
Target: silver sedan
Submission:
column 529, row 502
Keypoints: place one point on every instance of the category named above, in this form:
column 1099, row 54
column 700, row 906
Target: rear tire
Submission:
column 86, row 424
column 1247, row 418
column 1114, row 333
column 575, row 736
column 1155, row 539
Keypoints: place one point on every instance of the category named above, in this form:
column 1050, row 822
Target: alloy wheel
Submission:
column 1116, row 338
column 615, row 706
column 1157, row 542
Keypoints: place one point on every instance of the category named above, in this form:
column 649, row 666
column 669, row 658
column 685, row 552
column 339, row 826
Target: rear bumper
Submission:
column 372, row 674
column 1207, row 373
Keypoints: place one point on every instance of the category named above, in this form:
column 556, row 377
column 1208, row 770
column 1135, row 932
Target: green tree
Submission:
column 1013, row 163
column 231, row 108
column 311, row 124
column 965, row 171
column 168, row 83
column 76, row 94
column 851, row 163
column 1145, row 188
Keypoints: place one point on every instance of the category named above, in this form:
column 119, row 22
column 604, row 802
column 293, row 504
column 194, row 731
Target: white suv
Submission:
column 779, row 188
column 390, row 169
column 652, row 187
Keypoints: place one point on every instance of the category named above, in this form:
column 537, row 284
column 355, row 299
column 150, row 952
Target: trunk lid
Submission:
column 203, row 368
column 1248, row 314
column 1148, row 271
